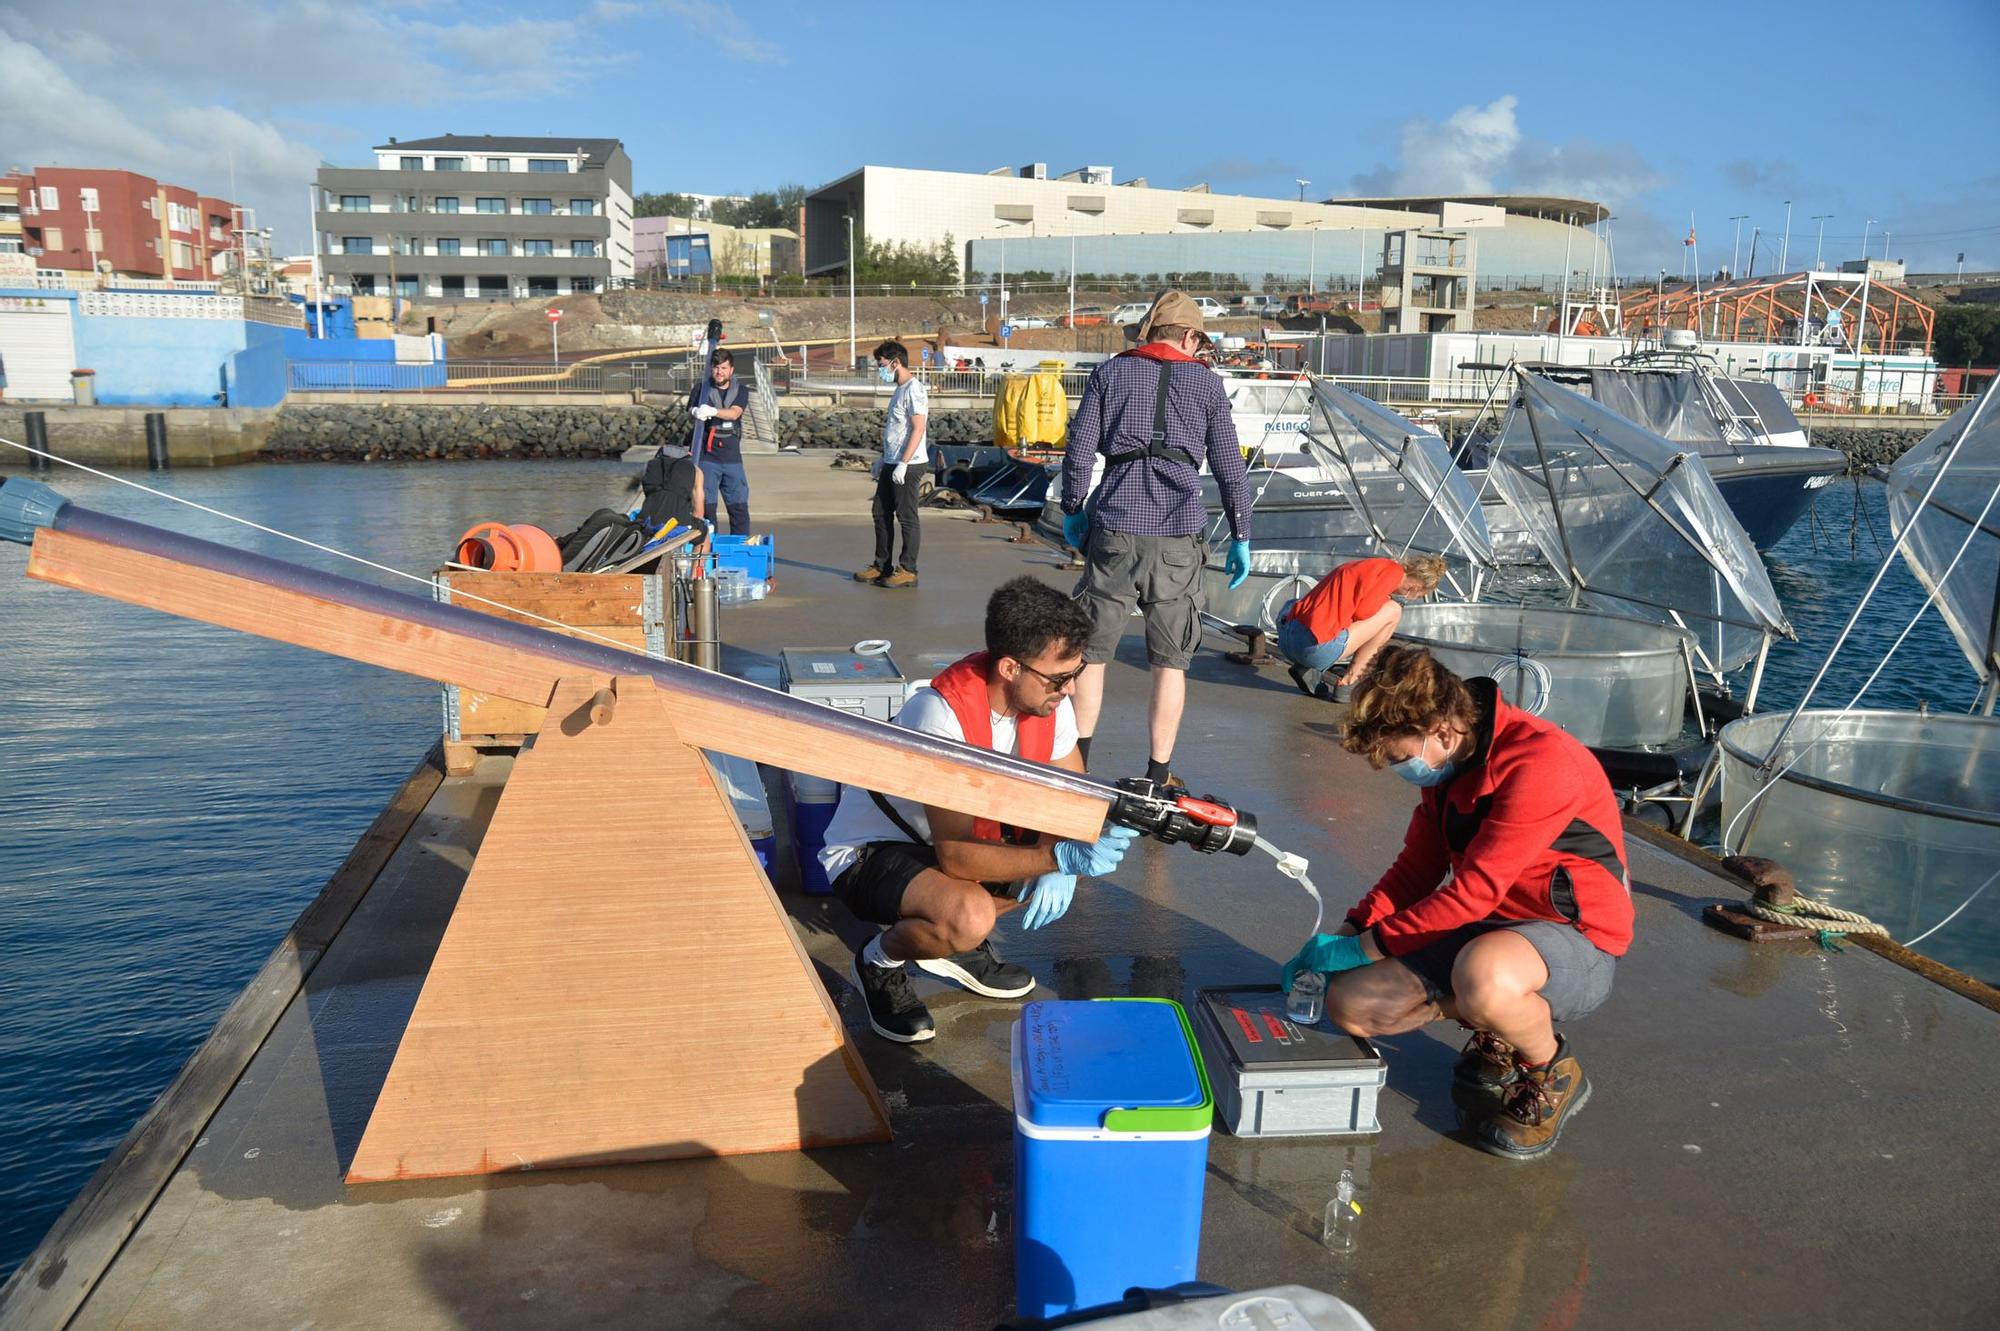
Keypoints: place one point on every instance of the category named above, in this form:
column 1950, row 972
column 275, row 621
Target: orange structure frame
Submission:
column 1770, row 309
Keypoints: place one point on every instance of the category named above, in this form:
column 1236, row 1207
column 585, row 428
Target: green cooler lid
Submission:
column 1122, row 1064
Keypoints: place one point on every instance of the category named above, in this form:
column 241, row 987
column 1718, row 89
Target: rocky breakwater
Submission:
column 360, row 433
column 1869, row 446
column 398, row 433
column 861, row 427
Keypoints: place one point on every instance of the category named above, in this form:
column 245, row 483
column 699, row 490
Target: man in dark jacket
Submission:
column 716, row 408
column 1154, row 415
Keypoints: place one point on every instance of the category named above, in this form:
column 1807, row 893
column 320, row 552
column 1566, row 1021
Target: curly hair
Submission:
column 1024, row 618
column 1426, row 569
column 1406, row 695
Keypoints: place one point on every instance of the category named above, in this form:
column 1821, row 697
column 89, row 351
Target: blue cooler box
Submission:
column 813, row 803
column 1111, row 1120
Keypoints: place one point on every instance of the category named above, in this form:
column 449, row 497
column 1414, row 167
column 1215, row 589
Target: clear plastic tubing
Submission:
column 1306, row 1003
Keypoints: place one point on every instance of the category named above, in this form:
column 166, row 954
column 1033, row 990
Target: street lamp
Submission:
column 1736, row 246
column 1820, row 241
column 1785, row 247
column 853, row 351
column 1301, row 183
column 1866, row 227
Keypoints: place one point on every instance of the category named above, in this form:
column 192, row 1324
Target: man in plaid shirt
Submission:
column 1152, row 414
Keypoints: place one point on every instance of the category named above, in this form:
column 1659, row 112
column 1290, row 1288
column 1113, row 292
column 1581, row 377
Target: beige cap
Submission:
column 1171, row 308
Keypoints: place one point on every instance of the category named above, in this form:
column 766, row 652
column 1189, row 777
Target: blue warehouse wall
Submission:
column 258, row 375
column 160, row 362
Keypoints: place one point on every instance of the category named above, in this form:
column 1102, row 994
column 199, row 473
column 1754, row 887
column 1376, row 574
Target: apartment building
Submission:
column 83, row 220
column 478, row 217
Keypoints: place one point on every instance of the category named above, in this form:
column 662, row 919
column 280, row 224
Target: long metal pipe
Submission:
column 681, row 679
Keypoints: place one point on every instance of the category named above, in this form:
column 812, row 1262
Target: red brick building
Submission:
column 73, row 218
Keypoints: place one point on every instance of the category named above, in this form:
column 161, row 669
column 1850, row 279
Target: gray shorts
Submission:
column 1579, row 971
column 1159, row 574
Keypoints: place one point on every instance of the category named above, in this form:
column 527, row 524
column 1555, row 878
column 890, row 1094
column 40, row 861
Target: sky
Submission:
column 1880, row 116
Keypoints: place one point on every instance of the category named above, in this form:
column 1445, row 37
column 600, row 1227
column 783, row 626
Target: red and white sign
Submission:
column 555, row 316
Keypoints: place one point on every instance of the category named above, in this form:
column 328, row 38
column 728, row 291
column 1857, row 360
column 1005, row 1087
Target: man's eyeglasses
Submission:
column 1056, row 683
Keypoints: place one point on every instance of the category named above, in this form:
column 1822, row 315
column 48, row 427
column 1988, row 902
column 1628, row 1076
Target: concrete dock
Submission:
column 1779, row 1136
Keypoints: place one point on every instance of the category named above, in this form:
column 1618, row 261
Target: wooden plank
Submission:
column 796, row 742
column 599, row 997
column 588, row 599
column 48, row 1288
column 485, row 714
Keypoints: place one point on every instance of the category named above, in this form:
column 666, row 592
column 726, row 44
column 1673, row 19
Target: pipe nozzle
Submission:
column 26, row 505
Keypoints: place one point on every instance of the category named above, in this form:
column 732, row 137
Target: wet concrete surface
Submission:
column 1778, row 1136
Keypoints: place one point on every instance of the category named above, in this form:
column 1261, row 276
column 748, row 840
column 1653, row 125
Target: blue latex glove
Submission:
column 1049, row 898
column 1094, row 859
column 1076, row 529
column 1326, row 952
column 1238, row 563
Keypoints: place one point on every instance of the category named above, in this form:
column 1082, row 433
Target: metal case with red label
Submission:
column 1275, row 1078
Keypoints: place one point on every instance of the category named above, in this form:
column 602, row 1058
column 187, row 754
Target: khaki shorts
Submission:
column 1161, row 575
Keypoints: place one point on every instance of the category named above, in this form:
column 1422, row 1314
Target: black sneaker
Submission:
column 1307, row 680
column 894, row 1009
column 982, row 971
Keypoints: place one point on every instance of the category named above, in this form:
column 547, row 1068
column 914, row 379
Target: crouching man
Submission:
column 939, row 879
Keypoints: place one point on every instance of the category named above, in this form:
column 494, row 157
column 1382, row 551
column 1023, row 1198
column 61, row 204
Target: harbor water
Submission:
column 176, row 793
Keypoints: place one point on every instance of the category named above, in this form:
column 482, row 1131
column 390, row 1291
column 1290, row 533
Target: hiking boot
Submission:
column 1537, row 1106
column 894, row 1009
column 902, row 577
column 982, row 971
column 1307, row 680
column 869, row 574
column 1487, row 1063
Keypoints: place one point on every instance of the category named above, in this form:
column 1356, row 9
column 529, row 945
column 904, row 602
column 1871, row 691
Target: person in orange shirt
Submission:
column 1349, row 616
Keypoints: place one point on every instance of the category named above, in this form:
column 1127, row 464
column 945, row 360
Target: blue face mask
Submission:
column 886, row 373
column 1417, row 772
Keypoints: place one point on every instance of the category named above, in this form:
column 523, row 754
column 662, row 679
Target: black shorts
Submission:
column 1580, row 972
column 872, row 887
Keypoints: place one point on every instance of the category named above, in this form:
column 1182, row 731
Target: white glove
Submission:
column 902, row 470
column 704, row 412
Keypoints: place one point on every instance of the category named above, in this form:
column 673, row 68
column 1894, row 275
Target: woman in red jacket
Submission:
column 1508, row 906
column 1349, row 616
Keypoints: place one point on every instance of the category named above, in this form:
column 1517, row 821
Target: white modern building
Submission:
column 478, row 216
column 1040, row 213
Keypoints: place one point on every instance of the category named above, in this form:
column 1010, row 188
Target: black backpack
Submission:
column 606, row 537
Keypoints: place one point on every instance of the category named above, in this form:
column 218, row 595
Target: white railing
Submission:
column 60, row 279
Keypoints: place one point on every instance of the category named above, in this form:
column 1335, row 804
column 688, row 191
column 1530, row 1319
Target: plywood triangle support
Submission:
column 619, row 981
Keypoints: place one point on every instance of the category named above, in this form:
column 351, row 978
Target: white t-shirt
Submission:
column 856, row 819
column 910, row 399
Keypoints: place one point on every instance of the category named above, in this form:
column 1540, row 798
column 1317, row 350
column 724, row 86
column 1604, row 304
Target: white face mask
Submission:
column 886, row 373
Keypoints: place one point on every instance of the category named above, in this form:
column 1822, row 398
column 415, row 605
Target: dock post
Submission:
column 36, row 424
column 156, row 441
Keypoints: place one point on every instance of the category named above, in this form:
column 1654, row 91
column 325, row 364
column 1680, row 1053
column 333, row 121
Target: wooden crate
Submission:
column 634, row 610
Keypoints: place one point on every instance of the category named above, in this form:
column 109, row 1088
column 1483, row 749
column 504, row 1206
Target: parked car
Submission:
column 1130, row 313
column 1029, row 321
column 1211, row 308
column 1086, row 316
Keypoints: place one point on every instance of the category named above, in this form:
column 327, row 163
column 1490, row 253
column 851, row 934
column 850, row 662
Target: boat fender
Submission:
column 26, row 505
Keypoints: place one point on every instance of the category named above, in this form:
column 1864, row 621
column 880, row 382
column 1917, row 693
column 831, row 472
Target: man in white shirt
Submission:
column 940, row 879
column 899, row 471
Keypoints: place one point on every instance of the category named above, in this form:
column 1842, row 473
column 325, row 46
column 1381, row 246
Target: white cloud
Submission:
column 717, row 22
column 113, row 86
column 1481, row 150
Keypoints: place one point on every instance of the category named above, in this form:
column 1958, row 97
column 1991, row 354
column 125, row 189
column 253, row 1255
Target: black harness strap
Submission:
column 902, row 824
column 1157, row 447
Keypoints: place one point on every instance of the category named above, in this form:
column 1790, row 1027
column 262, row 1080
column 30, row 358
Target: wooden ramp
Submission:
column 619, row 981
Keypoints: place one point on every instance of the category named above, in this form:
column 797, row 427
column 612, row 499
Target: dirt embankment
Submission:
column 478, row 330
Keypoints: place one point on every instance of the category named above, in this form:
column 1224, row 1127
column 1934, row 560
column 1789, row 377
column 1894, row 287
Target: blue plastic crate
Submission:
column 755, row 555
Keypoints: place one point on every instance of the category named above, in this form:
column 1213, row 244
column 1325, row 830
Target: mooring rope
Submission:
column 1830, row 921
column 457, row 595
